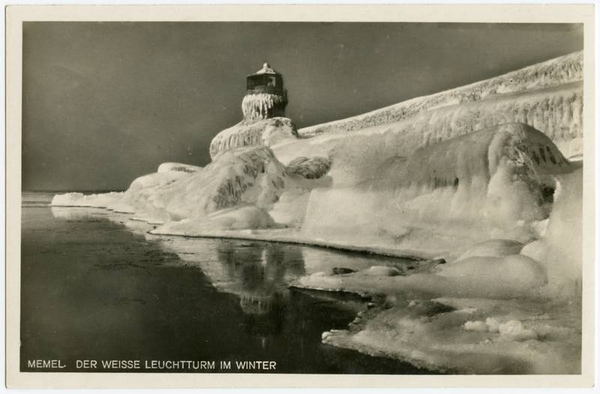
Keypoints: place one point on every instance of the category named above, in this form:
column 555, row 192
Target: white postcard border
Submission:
column 507, row 13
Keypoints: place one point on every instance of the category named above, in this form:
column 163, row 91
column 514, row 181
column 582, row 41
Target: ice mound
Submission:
column 561, row 246
column 166, row 167
column 510, row 274
column 309, row 168
column 480, row 154
column 493, row 337
column 556, row 113
column 137, row 197
column 487, row 184
column 278, row 130
column 483, row 330
column 134, row 198
column 546, row 96
column 290, row 209
column 466, row 156
column 511, row 330
column 247, row 176
column 492, row 248
column 238, row 218
column 489, row 277
column 91, row 200
column 379, row 270
column 244, row 134
column 244, row 176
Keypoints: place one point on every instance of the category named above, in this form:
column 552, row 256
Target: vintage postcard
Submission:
column 300, row 196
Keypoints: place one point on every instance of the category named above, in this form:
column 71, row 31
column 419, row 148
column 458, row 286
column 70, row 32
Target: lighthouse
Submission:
column 264, row 121
column 265, row 95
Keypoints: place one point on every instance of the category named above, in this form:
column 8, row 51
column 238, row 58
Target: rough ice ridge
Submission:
column 554, row 72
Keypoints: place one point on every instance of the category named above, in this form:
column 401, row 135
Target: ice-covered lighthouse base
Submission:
column 262, row 106
column 493, row 212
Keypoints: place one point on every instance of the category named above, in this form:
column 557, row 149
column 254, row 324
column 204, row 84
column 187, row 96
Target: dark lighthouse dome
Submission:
column 265, row 80
column 265, row 95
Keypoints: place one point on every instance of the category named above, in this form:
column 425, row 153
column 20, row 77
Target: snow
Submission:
column 478, row 326
column 510, row 313
column 250, row 176
column 245, row 176
column 492, row 248
column 279, row 130
column 166, row 167
column 309, row 168
column 243, row 218
column 289, row 210
column 378, row 270
column 260, row 105
column 560, row 71
column 438, row 334
column 555, row 111
column 560, row 247
column 265, row 132
column 136, row 197
column 266, row 69
column 515, row 330
column 480, row 186
column 91, row 200
column 475, row 183
column 500, row 278
column 510, row 274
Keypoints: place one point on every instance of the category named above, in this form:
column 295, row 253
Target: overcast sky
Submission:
column 104, row 103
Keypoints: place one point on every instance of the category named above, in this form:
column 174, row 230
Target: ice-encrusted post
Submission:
column 265, row 96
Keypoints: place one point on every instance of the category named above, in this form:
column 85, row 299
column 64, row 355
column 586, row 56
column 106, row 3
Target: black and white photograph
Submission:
column 302, row 198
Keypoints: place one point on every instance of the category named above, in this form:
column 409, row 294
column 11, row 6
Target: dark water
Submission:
column 95, row 286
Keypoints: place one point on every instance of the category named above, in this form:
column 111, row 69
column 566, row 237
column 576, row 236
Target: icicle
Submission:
column 258, row 106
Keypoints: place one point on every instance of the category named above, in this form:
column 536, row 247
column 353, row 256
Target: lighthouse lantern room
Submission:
column 265, row 95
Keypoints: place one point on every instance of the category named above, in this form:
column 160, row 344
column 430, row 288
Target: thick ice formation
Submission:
column 91, row 200
column 492, row 248
column 138, row 198
column 290, row 209
column 538, row 333
column 561, row 246
column 476, row 277
column 483, row 185
column 559, row 71
column 260, row 105
column 239, row 218
column 495, row 183
column 265, row 132
column 462, row 335
column 556, row 112
column 475, row 177
column 246, row 176
column 309, row 168
column 166, row 167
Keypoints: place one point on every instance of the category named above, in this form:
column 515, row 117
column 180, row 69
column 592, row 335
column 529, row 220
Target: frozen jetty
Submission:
column 486, row 176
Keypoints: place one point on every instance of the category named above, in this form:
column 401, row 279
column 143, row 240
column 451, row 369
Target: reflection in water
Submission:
column 256, row 271
column 253, row 270
column 71, row 213
column 96, row 285
column 259, row 272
